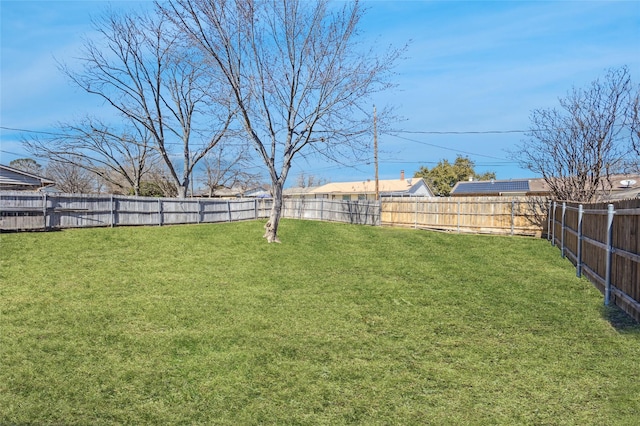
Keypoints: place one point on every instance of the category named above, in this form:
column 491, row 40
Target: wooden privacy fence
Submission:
column 601, row 240
column 361, row 212
column 32, row 210
column 498, row 215
column 492, row 215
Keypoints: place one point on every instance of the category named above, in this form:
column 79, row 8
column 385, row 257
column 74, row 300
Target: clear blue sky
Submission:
column 470, row 67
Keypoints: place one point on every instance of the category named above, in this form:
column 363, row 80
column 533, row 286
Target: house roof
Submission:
column 298, row 190
column 490, row 186
column 497, row 187
column 15, row 178
column 369, row 186
column 621, row 187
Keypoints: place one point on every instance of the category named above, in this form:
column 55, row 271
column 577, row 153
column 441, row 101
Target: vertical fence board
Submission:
column 494, row 215
column 606, row 259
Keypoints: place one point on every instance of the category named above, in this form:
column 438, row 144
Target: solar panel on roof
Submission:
column 492, row 187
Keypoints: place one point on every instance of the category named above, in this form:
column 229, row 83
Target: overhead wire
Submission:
column 392, row 133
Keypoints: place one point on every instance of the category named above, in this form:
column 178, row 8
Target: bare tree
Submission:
column 634, row 121
column 305, row 180
column 298, row 76
column 228, row 167
column 120, row 159
column 578, row 147
column 71, row 178
column 145, row 72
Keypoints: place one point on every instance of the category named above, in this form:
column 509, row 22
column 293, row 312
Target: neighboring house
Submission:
column 618, row 187
column 300, row 192
column 366, row 190
column 622, row 187
column 500, row 188
column 260, row 192
column 17, row 180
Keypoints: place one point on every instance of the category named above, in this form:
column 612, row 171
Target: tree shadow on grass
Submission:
column 620, row 320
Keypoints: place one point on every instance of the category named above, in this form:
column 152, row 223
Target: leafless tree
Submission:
column 120, row 159
column 577, row 147
column 228, row 167
column 298, row 75
column 142, row 69
column 634, row 121
column 71, row 178
column 305, row 180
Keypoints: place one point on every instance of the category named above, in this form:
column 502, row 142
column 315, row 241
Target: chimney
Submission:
column 401, row 174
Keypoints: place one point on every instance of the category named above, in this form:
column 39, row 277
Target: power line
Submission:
column 467, row 132
column 31, row 131
column 450, row 149
column 470, row 132
column 12, row 153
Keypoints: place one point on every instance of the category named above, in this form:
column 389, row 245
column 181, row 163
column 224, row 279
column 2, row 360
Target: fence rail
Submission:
column 492, row 215
column 31, row 210
column 601, row 240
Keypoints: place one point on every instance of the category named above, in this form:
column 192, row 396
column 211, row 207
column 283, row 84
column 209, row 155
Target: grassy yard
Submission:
column 340, row 324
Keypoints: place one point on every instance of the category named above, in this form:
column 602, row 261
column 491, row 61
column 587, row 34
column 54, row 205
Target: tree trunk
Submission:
column 182, row 191
column 271, row 227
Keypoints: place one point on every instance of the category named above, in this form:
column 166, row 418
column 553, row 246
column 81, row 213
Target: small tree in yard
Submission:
column 299, row 80
column 577, row 147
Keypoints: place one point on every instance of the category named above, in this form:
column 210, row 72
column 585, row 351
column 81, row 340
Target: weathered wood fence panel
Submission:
column 493, row 215
column 23, row 210
column 27, row 211
column 601, row 240
column 356, row 212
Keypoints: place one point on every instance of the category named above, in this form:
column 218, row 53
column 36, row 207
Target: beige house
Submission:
column 366, row 190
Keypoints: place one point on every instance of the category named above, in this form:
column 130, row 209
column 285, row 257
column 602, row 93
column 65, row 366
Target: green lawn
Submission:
column 340, row 324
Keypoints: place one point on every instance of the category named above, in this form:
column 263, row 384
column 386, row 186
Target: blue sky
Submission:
column 470, row 67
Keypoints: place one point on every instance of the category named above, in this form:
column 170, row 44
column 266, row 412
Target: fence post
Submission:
column 579, row 256
column 553, row 224
column 513, row 212
column 321, row 208
column 607, row 290
column 255, row 208
column 159, row 212
column 229, row 209
column 112, row 218
column 199, row 212
column 458, row 218
column 562, row 229
column 44, row 209
column 549, row 220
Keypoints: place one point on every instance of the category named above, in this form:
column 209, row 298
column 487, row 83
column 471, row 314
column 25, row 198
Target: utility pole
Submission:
column 375, row 151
